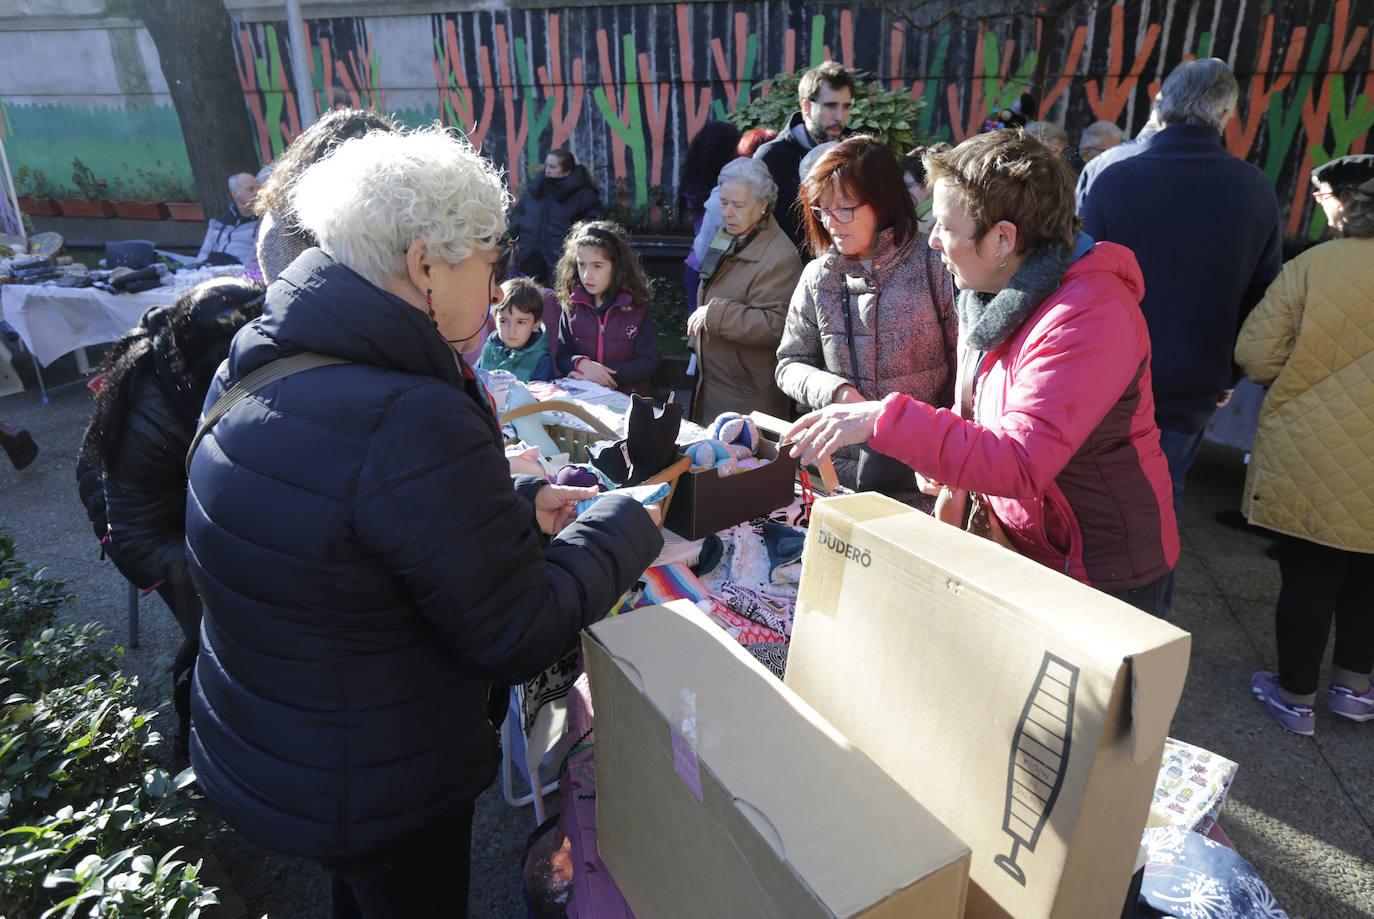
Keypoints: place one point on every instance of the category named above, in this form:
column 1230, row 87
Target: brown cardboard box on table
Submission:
column 1026, row 710
column 771, row 813
column 706, row 501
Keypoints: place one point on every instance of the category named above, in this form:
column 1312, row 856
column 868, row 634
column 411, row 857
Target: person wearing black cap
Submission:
column 1311, row 473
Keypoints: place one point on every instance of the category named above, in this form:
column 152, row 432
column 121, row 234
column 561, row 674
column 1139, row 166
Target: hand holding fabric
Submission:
column 819, row 434
column 555, row 506
column 696, row 322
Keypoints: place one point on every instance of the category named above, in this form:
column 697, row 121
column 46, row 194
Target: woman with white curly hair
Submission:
column 373, row 575
column 747, row 279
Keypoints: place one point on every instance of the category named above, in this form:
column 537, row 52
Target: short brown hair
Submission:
column 521, row 295
column 829, row 73
column 1010, row 175
column 867, row 170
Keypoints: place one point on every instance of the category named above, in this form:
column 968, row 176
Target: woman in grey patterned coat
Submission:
column 874, row 312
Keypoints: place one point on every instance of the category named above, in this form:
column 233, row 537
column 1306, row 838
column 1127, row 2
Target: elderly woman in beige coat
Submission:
column 1311, row 476
column 747, row 279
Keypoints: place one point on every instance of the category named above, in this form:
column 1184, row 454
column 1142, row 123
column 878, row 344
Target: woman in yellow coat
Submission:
column 1311, row 477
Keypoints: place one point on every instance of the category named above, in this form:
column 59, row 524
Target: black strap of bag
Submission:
column 876, row 471
column 263, row 376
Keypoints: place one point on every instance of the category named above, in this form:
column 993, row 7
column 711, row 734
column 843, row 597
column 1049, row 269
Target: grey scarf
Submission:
column 987, row 320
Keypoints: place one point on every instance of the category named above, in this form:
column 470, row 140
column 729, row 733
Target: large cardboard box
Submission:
column 1026, row 710
column 706, row 501
column 769, row 812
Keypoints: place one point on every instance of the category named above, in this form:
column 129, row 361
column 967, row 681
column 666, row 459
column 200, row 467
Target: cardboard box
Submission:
column 706, row 501
column 1026, row 710
column 770, row 813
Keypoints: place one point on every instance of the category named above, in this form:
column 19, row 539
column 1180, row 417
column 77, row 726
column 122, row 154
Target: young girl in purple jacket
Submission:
column 606, row 332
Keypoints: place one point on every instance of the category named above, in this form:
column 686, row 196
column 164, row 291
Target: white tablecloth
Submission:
column 55, row 320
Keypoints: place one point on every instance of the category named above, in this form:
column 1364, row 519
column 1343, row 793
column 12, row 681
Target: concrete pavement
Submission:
column 1301, row 809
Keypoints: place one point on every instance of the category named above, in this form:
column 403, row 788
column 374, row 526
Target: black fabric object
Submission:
column 424, row 876
column 221, row 258
column 651, row 437
column 369, row 569
column 122, row 282
column 1318, row 584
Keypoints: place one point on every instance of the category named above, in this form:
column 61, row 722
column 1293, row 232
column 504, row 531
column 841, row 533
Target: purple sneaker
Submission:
column 1346, row 702
column 1294, row 716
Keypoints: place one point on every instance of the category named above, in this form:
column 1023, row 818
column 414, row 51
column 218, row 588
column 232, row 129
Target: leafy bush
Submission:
column 57, row 657
column 83, row 803
column 655, row 215
column 29, row 601
column 890, row 115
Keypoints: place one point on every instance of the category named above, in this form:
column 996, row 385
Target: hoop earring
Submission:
column 1003, row 265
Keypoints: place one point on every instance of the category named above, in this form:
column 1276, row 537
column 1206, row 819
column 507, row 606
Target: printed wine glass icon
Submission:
column 1039, row 758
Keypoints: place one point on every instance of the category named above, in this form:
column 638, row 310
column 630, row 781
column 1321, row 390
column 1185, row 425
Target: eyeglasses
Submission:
column 1321, row 195
column 840, row 214
column 501, row 267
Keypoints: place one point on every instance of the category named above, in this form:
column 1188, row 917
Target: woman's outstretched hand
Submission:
column 819, row 434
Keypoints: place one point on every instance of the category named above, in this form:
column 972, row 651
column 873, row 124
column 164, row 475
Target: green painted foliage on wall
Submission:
column 136, row 152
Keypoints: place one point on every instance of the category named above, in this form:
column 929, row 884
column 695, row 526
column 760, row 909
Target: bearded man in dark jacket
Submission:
column 825, row 95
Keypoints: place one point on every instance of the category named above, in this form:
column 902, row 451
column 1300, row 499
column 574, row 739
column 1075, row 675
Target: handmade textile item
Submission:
column 741, row 629
column 772, row 612
column 772, row 656
column 529, row 429
column 736, row 430
column 784, row 545
column 1191, row 877
column 673, row 582
column 644, row 494
column 580, row 476
column 714, row 454
column 651, row 437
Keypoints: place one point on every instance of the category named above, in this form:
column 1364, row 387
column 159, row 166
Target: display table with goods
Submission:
column 575, row 432
column 1026, row 714
column 58, row 309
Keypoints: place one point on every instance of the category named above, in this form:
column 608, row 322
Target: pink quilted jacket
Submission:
column 1064, row 442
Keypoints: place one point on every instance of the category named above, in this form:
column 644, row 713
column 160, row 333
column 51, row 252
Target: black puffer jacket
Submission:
column 132, row 478
column 367, row 568
column 547, row 210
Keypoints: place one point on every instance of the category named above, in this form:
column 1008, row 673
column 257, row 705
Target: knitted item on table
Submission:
column 736, row 430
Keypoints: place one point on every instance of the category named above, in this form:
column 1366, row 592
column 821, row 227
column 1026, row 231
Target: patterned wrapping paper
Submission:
column 1191, row 786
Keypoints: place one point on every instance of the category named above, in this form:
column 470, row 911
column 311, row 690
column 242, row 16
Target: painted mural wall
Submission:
column 626, row 87
column 93, row 95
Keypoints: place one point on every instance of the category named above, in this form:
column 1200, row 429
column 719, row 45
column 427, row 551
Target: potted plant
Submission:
column 134, row 209
column 93, row 194
column 35, row 192
column 186, row 210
